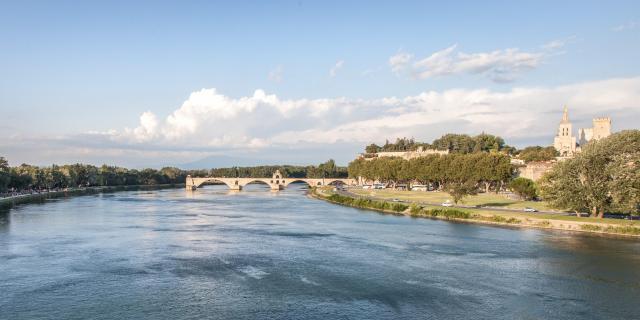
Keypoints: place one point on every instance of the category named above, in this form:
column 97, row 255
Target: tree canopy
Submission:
column 481, row 169
column 455, row 143
column 602, row 178
column 537, row 153
column 524, row 188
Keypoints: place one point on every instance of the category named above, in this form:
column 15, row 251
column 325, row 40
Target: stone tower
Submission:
column 564, row 141
column 601, row 128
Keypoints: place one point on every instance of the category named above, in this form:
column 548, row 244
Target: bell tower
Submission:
column 564, row 141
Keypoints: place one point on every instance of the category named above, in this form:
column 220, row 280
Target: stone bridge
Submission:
column 276, row 182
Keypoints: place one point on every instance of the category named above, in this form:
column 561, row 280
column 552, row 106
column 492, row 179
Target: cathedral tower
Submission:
column 564, row 141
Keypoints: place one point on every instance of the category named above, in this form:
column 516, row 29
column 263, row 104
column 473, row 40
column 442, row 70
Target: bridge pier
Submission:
column 190, row 184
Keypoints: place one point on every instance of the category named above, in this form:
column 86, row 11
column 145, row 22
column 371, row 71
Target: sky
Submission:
column 207, row 83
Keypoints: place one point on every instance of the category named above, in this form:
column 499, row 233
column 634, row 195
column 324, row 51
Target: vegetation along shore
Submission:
column 611, row 227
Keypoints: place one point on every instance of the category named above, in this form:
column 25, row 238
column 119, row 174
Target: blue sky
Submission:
column 78, row 77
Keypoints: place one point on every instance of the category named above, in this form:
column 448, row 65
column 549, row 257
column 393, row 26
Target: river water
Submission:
column 172, row 254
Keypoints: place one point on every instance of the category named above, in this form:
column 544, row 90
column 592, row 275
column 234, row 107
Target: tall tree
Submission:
column 599, row 179
column 5, row 174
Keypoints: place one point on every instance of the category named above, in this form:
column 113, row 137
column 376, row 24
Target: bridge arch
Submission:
column 289, row 181
column 256, row 181
column 200, row 182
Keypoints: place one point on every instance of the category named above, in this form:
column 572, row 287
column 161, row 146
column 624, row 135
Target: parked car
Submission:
column 527, row 209
column 366, row 186
column 418, row 187
column 379, row 186
column 395, row 200
column 447, row 204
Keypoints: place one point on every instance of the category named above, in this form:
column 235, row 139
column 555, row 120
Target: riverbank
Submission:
column 608, row 227
column 39, row 197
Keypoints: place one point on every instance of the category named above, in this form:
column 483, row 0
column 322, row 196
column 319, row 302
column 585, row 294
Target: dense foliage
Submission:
column 462, row 143
column 368, row 203
column 328, row 169
column 26, row 177
column 459, row 174
column 524, row 188
column 537, row 153
column 455, row 143
column 604, row 177
column 401, row 144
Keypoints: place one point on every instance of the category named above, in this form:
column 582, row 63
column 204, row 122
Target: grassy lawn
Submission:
column 437, row 197
column 482, row 199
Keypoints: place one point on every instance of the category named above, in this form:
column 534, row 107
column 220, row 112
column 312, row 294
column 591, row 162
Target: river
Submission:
column 256, row 254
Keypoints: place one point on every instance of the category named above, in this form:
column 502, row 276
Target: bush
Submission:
column 590, row 227
column 415, row 209
column 448, row 213
column 367, row 203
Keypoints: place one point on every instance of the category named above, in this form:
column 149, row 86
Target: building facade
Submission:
column 568, row 145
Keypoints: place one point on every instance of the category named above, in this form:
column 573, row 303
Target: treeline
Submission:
column 328, row 169
column 454, row 143
column 464, row 173
column 537, row 153
column 28, row 177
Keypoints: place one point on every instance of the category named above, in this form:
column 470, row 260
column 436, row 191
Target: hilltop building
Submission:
column 568, row 145
column 601, row 129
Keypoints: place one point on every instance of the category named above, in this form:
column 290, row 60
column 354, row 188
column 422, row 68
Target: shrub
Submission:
column 415, row 209
column 448, row 213
column 590, row 227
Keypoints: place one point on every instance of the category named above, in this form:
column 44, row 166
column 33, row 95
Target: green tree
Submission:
column 537, row 153
column 5, row 174
column 372, row 148
column 598, row 179
column 524, row 188
column 459, row 190
column 624, row 186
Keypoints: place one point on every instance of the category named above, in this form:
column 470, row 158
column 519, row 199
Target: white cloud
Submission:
column 399, row 61
column 148, row 127
column 265, row 125
column 210, row 119
column 626, row 26
column 276, row 74
column 498, row 65
column 334, row 70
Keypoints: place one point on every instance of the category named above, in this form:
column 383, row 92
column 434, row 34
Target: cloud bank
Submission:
column 210, row 119
column 306, row 130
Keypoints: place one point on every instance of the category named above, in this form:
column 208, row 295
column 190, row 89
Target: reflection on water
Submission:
column 257, row 254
